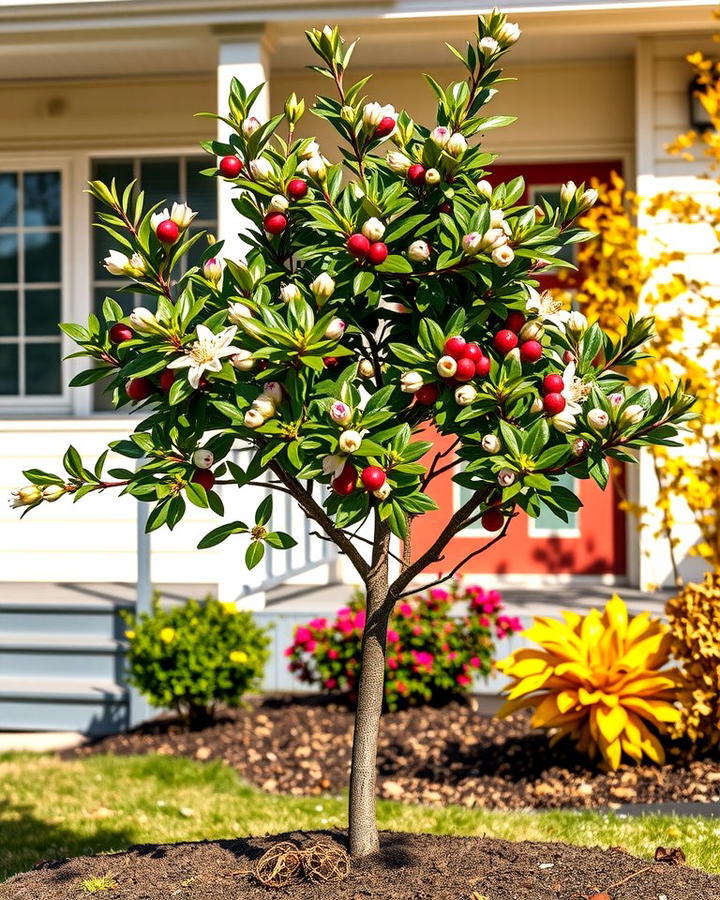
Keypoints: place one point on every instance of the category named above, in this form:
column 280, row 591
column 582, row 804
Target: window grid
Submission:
column 21, row 339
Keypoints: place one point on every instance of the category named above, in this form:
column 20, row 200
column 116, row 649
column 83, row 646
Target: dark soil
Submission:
column 453, row 754
column 408, row 867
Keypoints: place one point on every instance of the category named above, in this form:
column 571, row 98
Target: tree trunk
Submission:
column 362, row 820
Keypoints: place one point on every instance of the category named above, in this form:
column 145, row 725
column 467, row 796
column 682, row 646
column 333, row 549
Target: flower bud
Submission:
column 237, row 312
column 348, row 114
column 492, row 239
column 278, row 203
column 398, row 162
column 365, row 368
column 350, row 441
column 531, row 331
column 503, row 256
column 118, row 264
column 505, row 477
column 274, row 390
column 465, row 394
column 373, row 229
column 508, row 33
column 440, row 135
column 588, row 198
column 182, row 215
column 142, row 320
column 316, row 168
column 372, row 115
column 567, row 192
column 340, row 412
column 457, row 145
column 539, row 213
column 537, row 405
column 616, row 399
column 253, row 419
column 212, row 270
column 432, row 176
column 261, row 169
column 202, row 459
column 418, row 251
column 631, row 415
column 265, row 405
column 242, row 361
column 294, row 109
column 410, row 382
column 54, row 492
column 497, row 220
column 312, row 149
column 323, row 288
column 289, row 292
column 471, row 243
column 491, row 443
column 576, row 325
column 250, row 126
column 335, row 329
column 564, row 421
column 383, row 492
column 580, row 447
column 25, row 496
column 484, row 188
column 488, row 46
column 446, row 366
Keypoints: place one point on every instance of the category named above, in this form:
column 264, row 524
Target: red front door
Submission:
column 593, row 541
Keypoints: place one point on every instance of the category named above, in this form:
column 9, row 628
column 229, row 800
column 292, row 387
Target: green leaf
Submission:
column 218, row 535
column 254, row 554
column 264, row 511
column 281, row 540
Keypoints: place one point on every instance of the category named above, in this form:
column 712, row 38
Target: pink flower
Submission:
column 359, row 620
column 405, row 609
column 452, row 655
column 392, row 663
column 317, row 623
column 392, row 636
column 345, row 626
column 474, row 590
column 422, row 657
column 345, row 611
column 302, row 635
column 475, row 662
column 417, row 630
column 463, row 680
column 289, row 650
column 439, row 594
column 448, row 628
column 330, row 683
column 484, row 621
column 333, row 654
column 310, row 646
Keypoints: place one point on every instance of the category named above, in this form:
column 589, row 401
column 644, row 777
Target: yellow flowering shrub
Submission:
column 598, row 679
column 194, row 656
column 694, row 616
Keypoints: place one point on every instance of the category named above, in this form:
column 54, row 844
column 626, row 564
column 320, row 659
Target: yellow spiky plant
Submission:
column 598, row 679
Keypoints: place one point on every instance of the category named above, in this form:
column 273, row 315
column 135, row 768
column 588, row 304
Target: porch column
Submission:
column 242, row 55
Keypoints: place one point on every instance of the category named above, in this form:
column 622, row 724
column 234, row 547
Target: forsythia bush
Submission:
column 598, row 679
column 432, row 656
column 694, row 617
column 195, row 656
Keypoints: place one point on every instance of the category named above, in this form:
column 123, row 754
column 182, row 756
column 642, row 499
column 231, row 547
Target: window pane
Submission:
column 42, row 257
column 548, row 521
column 127, row 301
column 9, row 383
column 161, row 180
column 42, row 369
column 8, row 258
column 201, row 190
column 42, row 199
column 192, row 257
column 8, row 199
column 8, row 313
column 42, row 312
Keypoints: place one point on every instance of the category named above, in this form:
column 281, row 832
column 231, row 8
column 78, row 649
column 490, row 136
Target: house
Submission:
column 109, row 88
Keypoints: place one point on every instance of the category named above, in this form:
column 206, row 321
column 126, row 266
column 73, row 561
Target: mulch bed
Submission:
column 408, row 867
column 291, row 745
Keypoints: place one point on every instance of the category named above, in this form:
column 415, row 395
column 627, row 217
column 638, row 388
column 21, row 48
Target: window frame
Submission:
column 17, row 405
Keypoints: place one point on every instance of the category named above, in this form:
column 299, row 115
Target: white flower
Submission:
column 316, row 168
column 493, row 239
column 253, row 418
column 576, row 325
column 335, row 329
column 484, row 188
column 265, row 405
column 275, row 390
column 365, row 368
column 589, row 198
column 440, row 135
column 340, row 412
column 203, row 459
column 575, row 392
column 237, row 312
column 567, row 192
column 547, row 308
column 118, row 264
column 322, row 287
column 508, row 33
column 333, row 465
column 471, row 243
column 372, row 114
column 25, row 496
column 491, row 443
column 182, row 215
column 503, row 256
column 457, row 145
column 465, row 394
column 261, row 169
column 250, row 126
column 278, row 204
column 349, row 441
column 598, row 419
column 54, row 492
column 206, row 353
column 432, row 176
column 497, row 220
column 213, row 270
column 398, row 162
column 410, row 382
column 373, row 229
column 418, row 251
column 242, row 361
column 505, row 477
column 144, row 321
column 488, row 46
column 158, row 217
column 564, row 421
column 383, row 492
column 616, row 399
column 631, row 415
column 289, row 292
column 312, row 149
column 446, row 366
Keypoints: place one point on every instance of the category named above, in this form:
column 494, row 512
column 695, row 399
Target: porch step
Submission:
column 57, row 656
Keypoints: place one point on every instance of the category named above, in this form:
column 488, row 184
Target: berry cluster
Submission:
column 371, row 477
column 462, row 360
column 522, row 334
column 361, row 247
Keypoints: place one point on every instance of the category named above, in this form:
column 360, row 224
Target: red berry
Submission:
column 482, row 367
column 139, row 388
column 377, row 253
column 386, row 126
column 492, row 520
column 515, row 321
column 416, row 174
column 275, row 223
column 372, row 478
column 330, row 361
column 465, row 370
column 203, row 477
column 358, row 245
column 472, row 351
column 446, row 207
column 505, row 341
column 531, row 351
column 346, row 481
column 553, row 403
column 167, row 379
column 297, row 188
column 230, row 166
column 455, row 347
column 428, row 394
column 568, row 357
column 553, row 384
column 120, row 333
column 167, row 232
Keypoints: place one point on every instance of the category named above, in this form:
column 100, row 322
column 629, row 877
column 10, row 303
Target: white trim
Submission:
column 532, row 579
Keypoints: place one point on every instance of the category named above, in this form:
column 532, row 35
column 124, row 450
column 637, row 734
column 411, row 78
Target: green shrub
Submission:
column 195, row 656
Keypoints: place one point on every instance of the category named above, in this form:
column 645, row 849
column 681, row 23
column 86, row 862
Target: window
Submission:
column 30, row 283
column 164, row 179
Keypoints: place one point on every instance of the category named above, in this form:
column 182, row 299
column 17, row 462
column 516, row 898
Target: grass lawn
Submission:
column 51, row 809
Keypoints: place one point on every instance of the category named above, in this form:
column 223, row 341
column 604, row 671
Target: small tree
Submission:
column 433, row 272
